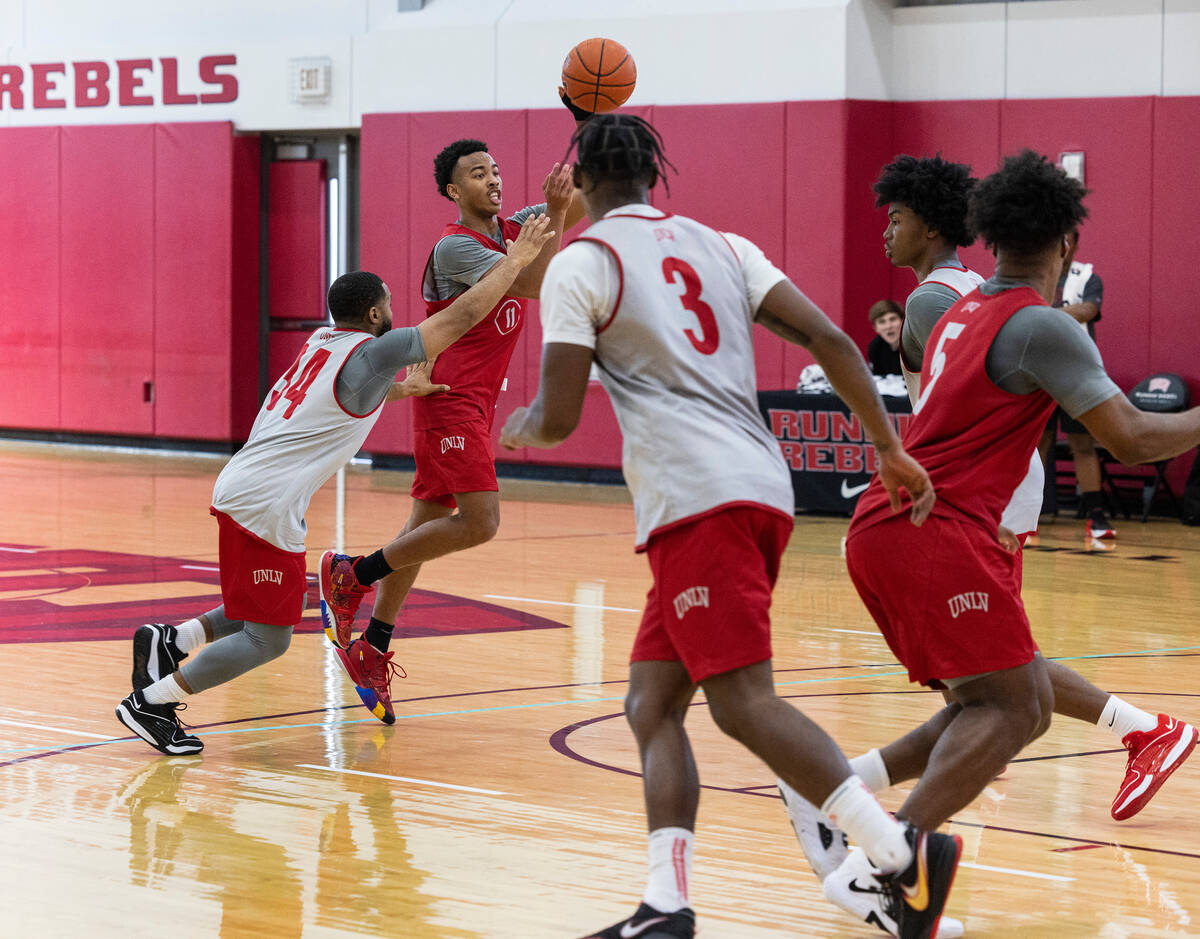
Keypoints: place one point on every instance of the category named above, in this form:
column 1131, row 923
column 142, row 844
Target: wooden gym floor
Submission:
column 505, row 801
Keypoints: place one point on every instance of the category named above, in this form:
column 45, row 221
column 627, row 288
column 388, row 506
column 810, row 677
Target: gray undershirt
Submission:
column 1039, row 347
column 459, row 261
column 369, row 370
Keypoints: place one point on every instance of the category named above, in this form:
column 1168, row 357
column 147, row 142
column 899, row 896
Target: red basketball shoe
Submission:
column 1153, row 756
column 371, row 671
column 341, row 593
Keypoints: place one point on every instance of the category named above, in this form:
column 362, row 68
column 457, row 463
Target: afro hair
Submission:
column 1026, row 205
column 935, row 189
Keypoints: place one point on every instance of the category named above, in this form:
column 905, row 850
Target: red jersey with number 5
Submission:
column 301, row 437
column 973, row 437
column 475, row 365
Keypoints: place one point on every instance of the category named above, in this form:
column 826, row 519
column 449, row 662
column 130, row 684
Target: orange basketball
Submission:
column 599, row 75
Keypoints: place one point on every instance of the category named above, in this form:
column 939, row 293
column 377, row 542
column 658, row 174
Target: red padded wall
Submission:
column 107, row 253
column 30, row 332
column 244, row 266
column 297, row 272
column 1116, row 137
column 192, row 236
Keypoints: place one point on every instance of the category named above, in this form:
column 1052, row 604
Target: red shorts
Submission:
column 946, row 596
column 710, row 604
column 457, row 458
column 259, row 582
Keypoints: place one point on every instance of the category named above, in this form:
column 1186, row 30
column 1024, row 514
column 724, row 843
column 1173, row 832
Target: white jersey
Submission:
column 668, row 305
column 301, row 437
column 961, row 280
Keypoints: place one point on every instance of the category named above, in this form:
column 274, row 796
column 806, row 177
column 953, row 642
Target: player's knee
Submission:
column 646, row 711
column 269, row 641
column 731, row 717
column 480, row 528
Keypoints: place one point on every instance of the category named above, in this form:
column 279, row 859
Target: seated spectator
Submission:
column 883, row 352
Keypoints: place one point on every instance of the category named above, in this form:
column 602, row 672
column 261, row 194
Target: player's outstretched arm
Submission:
column 790, row 314
column 445, row 326
column 554, row 413
column 1134, row 436
column 559, row 189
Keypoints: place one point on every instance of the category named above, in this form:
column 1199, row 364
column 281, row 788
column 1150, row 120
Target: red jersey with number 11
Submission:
column 973, row 437
column 475, row 365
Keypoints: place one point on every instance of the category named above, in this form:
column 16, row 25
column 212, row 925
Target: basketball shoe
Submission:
column 341, row 593
column 1153, row 756
column 824, row 845
column 372, row 672
column 1098, row 526
column 155, row 654
column 855, row 887
column 649, row 923
column 157, row 725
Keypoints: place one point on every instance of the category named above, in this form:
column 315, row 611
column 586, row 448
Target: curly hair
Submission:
column 1026, row 205
column 935, row 189
column 352, row 295
column 621, row 147
column 444, row 162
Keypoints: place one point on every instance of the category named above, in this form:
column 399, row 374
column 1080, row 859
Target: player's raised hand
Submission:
column 559, row 187
column 898, row 470
column 510, row 435
column 534, row 233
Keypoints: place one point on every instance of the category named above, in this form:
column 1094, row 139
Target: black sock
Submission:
column 1091, row 501
column 371, row 568
column 378, row 634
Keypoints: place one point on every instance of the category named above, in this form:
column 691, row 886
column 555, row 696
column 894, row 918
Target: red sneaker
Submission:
column 1153, row 756
column 371, row 671
column 341, row 593
column 1099, row 527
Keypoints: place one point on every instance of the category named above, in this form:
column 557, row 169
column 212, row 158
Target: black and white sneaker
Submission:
column 157, row 725
column 155, row 654
column 823, row 843
column 649, row 923
column 918, row 893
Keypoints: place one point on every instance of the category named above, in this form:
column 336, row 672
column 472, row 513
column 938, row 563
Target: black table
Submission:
column 824, row 446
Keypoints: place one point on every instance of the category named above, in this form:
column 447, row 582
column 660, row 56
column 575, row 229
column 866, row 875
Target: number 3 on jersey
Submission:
column 296, row 386
column 938, row 365
column 676, row 270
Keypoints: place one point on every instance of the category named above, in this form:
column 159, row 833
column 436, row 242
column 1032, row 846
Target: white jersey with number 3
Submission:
column 674, row 348
column 301, row 437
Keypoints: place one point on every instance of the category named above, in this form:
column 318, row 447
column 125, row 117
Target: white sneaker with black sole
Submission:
column 155, row 653
column 157, row 725
column 855, row 888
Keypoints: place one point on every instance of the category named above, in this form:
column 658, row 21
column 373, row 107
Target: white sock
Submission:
column 164, row 691
column 871, row 769
column 1120, row 718
column 670, row 869
column 190, row 636
column 853, row 808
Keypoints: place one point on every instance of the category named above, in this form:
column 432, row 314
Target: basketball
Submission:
column 599, row 75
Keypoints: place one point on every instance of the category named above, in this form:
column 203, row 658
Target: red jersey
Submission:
column 474, row 367
column 973, row 437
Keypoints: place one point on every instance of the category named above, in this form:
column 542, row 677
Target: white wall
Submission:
column 484, row 54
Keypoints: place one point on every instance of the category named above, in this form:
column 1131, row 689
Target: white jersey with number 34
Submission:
column 301, row 437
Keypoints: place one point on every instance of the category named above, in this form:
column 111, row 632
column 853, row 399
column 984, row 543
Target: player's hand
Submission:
column 416, row 383
column 534, row 233
column 559, row 187
column 898, row 470
column 1008, row 540
column 577, row 112
column 510, row 435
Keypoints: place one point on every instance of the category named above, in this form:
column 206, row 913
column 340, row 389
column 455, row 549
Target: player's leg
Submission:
column 1087, row 475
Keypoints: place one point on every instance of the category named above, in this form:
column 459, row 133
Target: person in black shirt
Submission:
column 883, row 352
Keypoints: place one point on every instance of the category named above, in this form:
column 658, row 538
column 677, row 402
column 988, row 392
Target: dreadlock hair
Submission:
column 935, row 189
column 1027, row 205
column 352, row 295
column 444, row 162
column 620, row 147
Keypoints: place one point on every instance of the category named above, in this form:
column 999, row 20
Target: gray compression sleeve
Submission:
column 221, row 624
column 369, row 370
column 459, row 261
column 1043, row 347
column 923, row 308
column 234, row 655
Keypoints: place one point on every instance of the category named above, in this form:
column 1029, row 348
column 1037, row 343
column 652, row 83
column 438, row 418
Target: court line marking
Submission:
column 22, row 550
column 587, row 606
column 1019, row 873
column 408, row 779
column 197, row 567
column 57, row 730
column 859, row 632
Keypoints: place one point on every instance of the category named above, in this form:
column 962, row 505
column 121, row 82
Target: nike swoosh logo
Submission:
column 855, row 888
column 849, row 492
column 917, row 896
column 629, row 930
